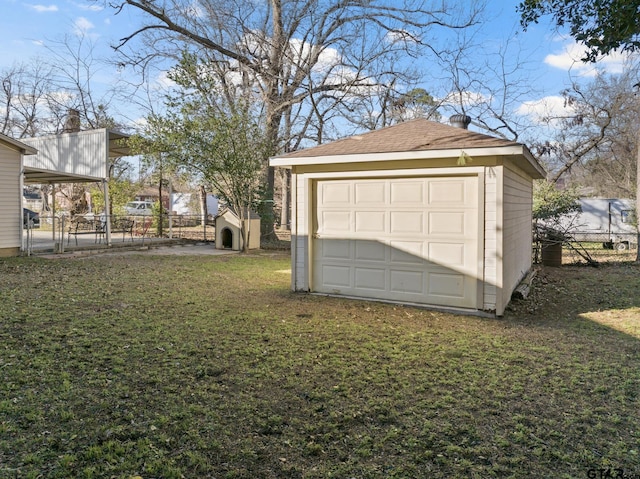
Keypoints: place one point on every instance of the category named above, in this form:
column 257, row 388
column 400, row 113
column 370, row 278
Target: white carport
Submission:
column 78, row 157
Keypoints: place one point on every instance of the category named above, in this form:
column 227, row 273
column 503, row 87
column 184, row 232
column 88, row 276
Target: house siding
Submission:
column 517, row 207
column 9, row 201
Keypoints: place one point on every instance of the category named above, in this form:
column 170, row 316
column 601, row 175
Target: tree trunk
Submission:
column 638, row 203
column 160, row 207
column 268, row 217
column 244, row 227
column 286, row 199
column 273, row 113
column 203, row 205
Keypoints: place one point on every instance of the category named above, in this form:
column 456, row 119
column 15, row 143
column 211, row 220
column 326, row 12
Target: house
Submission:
column 11, row 185
column 418, row 213
column 228, row 233
column 151, row 194
column 189, row 204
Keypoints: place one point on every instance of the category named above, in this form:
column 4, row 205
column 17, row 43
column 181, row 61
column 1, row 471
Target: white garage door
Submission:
column 401, row 239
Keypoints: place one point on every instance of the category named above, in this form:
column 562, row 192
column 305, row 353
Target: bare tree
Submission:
column 74, row 68
column 292, row 52
column 488, row 84
column 37, row 95
column 595, row 141
column 23, row 99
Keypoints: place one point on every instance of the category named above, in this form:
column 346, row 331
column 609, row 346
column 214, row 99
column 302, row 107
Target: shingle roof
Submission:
column 414, row 135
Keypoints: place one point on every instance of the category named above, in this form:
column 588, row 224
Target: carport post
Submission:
column 107, row 211
column 21, row 210
column 53, row 212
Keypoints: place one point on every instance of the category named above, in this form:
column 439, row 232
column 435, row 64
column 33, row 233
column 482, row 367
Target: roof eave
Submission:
column 511, row 150
column 537, row 167
column 18, row 145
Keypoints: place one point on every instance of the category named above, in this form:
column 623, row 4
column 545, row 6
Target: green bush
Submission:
column 551, row 203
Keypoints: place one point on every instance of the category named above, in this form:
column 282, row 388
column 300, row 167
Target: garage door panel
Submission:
column 336, row 249
column 407, row 222
column 452, row 193
column 448, row 192
column 407, row 192
column 447, row 254
column 367, row 250
column 335, row 222
column 336, row 276
column 446, row 284
column 370, row 278
column 448, row 223
column 403, row 239
column 407, row 282
column 370, row 193
column 411, row 252
column 370, row 221
column 334, row 193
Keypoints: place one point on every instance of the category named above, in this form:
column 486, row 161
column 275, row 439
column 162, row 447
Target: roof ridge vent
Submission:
column 460, row 121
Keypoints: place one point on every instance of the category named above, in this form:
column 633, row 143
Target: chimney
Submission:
column 72, row 122
column 460, row 121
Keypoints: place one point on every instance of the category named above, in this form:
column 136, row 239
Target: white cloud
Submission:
column 43, row 8
column 163, row 82
column 569, row 59
column 401, row 36
column 195, row 10
column 89, row 7
column 545, row 108
column 82, row 26
column 466, row 98
column 38, row 43
column 140, row 124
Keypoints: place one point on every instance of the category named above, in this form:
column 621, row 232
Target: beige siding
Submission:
column 77, row 154
column 10, row 197
column 491, row 259
column 518, row 200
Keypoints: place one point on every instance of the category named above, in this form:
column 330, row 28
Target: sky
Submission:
column 30, row 28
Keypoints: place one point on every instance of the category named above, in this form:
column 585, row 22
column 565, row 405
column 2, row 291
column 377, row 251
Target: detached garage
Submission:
column 419, row 213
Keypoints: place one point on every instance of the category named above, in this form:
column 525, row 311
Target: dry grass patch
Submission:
column 169, row 367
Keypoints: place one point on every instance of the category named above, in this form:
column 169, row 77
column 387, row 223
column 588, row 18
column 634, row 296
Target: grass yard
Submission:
column 209, row 367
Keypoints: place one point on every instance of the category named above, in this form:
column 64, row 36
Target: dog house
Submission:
column 418, row 213
column 229, row 234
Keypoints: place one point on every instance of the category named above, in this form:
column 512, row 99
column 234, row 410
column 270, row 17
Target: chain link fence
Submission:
column 188, row 227
column 581, row 247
